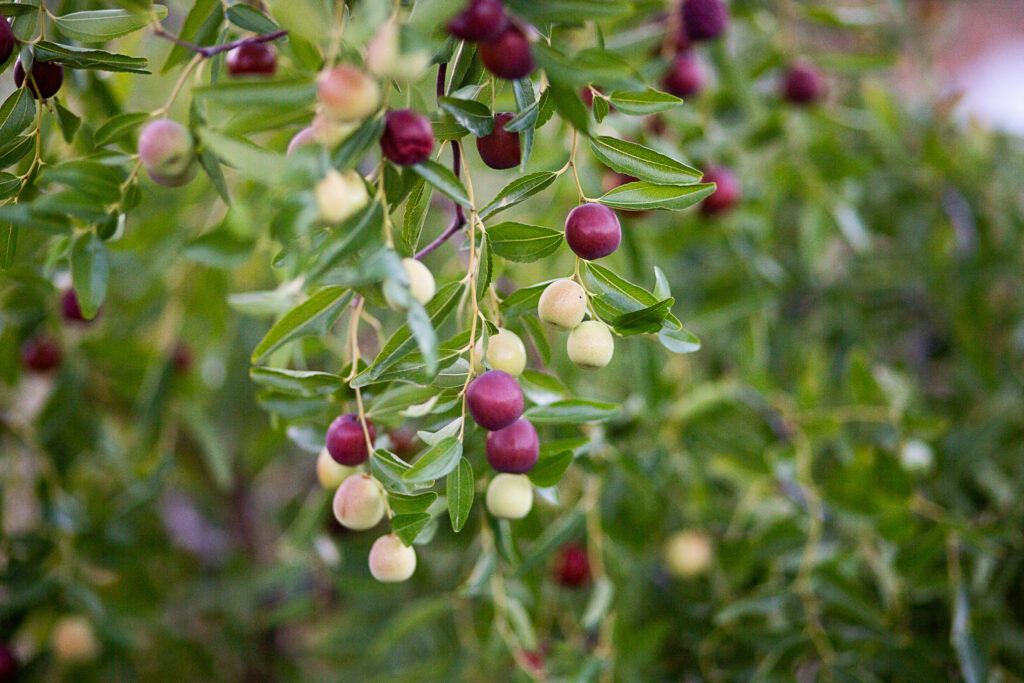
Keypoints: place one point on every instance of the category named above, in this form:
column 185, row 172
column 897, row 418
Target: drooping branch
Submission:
column 459, row 221
column 211, row 50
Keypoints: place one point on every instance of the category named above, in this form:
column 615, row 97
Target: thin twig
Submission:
column 210, row 51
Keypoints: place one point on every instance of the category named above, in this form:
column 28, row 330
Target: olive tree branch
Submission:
column 211, row 50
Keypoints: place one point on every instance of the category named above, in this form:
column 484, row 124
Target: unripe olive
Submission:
column 509, row 55
column 684, row 76
column 688, row 553
column 505, row 351
column 7, row 40
column 592, row 231
column 40, row 354
column 726, row 194
column 916, row 456
column 803, row 84
column 514, row 449
column 74, row 640
column 167, row 151
column 329, row 473
column 500, row 148
column 408, row 137
column 45, row 79
column 346, row 442
column 347, row 93
column 480, row 20
column 562, row 304
column 303, row 137
column 510, row 496
column 329, row 131
column 704, row 19
column 390, row 560
column 494, row 400
column 252, row 59
column 421, row 280
column 590, row 345
column 386, row 60
column 359, row 503
column 340, row 195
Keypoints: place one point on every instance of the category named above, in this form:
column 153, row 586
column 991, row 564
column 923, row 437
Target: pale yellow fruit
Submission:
column 421, row 280
column 329, row 473
column 562, row 304
column 328, row 131
column 505, row 351
column 391, row 561
column 359, row 503
column 339, row 196
column 386, row 60
column 74, row 640
column 688, row 553
column 347, row 93
column 590, row 345
column 510, row 496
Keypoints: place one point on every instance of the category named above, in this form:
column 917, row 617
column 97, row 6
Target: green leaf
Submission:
column 308, row 19
column 211, row 166
column 89, row 271
column 99, row 26
column 353, row 148
column 589, row 66
column 549, row 469
column 678, row 341
column 573, row 411
column 17, row 113
column 200, row 27
column 459, row 489
column 641, row 162
column 251, row 19
column 443, row 180
column 82, row 58
column 472, row 115
column 568, row 103
column 436, row 461
column 641, row 196
column 411, row 503
column 525, row 121
column 400, row 344
column 388, row 469
column 346, row 239
column 408, row 527
column 970, row 657
column 219, row 248
column 22, row 215
column 518, row 190
column 290, row 92
column 615, row 295
column 304, row 382
column 314, row 316
column 415, row 214
column 645, row 320
column 118, row 126
column 14, row 150
column 643, row 103
column 523, row 243
column 68, row 121
column 248, row 159
column 423, row 332
column 569, row 11
column 599, row 604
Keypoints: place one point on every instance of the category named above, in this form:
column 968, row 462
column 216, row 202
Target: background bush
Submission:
column 863, row 296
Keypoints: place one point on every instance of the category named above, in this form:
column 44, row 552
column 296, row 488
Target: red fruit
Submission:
column 508, row 56
column 514, row 449
column 71, row 309
column 495, row 400
column 572, row 566
column 480, row 20
column 8, row 664
column 6, row 40
column 500, row 148
column 587, row 95
column 252, row 59
column 46, row 79
column 684, row 76
column 592, row 231
column 803, row 84
column 534, row 658
column 725, row 195
column 704, row 19
column 346, row 442
column 656, row 125
column 181, row 357
column 408, row 137
column 40, row 354
column 403, row 440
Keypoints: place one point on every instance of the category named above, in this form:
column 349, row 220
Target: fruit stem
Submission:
column 572, row 165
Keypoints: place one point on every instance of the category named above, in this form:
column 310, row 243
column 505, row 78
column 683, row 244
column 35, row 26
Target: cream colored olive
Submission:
column 347, row 93
column 359, row 503
column 74, row 640
column 510, row 496
column 391, row 561
column 562, row 304
column 329, row 473
column 688, row 553
column 505, row 351
column 339, row 196
column 590, row 345
column 421, row 280
column 330, row 132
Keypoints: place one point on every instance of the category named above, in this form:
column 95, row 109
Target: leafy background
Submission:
column 865, row 293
